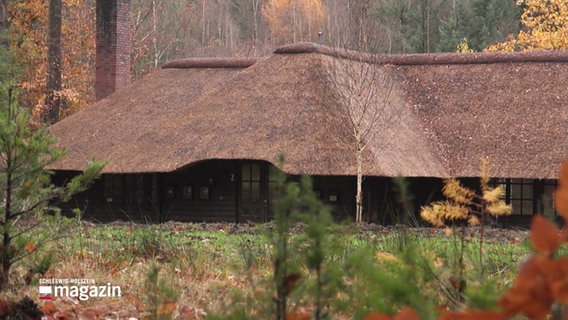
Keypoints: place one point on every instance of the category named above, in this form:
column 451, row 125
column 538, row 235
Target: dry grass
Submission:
column 204, row 267
column 212, row 268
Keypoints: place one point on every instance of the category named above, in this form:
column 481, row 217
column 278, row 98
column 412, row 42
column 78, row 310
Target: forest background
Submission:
column 173, row 29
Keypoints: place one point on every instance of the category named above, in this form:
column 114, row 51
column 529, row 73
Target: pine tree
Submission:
column 26, row 193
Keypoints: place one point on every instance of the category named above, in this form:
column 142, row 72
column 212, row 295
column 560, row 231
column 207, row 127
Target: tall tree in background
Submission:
column 545, row 27
column 248, row 18
column 413, row 23
column 454, row 28
column 53, row 83
column 294, row 20
column 4, row 41
column 28, row 30
column 490, row 21
column 440, row 25
column 167, row 30
column 364, row 28
column 480, row 22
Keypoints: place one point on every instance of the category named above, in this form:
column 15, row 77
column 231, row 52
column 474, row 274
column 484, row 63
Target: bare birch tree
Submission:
column 365, row 89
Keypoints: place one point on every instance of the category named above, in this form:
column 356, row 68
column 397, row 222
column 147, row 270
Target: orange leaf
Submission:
column 30, row 247
column 166, row 308
column 49, row 308
column 561, row 194
column 472, row 315
column 299, row 316
column 561, row 201
column 563, row 175
column 4, row 309
column 88, row 315
column 111, row 264
column 560, row 292
column 545, row 236
column 290, row 282
column 62, row 316
column 373, row 315
column 406, row 313
column 557, row 274
column 531, row 293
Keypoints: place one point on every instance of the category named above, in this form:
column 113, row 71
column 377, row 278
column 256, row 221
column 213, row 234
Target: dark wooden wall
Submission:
column 181, row 196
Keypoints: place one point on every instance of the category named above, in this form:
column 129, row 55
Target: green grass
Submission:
column 214, row 270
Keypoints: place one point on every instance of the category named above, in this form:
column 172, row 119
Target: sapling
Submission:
column 26, row 194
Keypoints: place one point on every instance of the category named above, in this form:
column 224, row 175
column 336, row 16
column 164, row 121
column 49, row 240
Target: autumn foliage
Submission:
column 292, row 21
column 28, row 34
column 545, row 27
column 464, row 204
column 542, row 280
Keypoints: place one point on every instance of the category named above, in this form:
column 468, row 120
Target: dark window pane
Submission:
column 528, row 191
column 204, row 193
column 255, row 191
column 527, row 207
column 516, row 191
column 517, row 206
column 245, row 192
column 246, row 172
column 255, row 172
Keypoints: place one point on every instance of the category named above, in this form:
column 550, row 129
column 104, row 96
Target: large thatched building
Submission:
column 199, row 139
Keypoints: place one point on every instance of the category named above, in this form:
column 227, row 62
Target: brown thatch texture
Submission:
column 451, row 110
column 278, row 106
column 515, row 115
column 104, row 129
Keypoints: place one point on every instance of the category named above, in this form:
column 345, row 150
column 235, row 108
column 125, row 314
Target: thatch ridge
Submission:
column 211, row 63
column 427, row 58
column 513, row 114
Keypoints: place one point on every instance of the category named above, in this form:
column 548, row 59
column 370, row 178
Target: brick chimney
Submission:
column 113, row 46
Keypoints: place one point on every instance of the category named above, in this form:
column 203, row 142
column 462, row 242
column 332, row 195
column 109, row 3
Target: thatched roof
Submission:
column 442, row 113
column 104, row 129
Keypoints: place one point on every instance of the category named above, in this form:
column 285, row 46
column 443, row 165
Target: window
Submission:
column 522, row 196
column 114, row 188
column 187, row 192
column 204, row 193
column 520, row 193
column 547, row 199
column 250, row 187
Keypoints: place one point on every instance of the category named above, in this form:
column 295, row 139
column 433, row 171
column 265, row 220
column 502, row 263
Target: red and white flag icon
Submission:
column 45, row 293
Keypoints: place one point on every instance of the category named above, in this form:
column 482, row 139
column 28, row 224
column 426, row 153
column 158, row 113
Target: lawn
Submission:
column 195, row 271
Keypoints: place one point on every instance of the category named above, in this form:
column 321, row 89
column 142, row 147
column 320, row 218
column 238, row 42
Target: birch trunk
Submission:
column 359, row 193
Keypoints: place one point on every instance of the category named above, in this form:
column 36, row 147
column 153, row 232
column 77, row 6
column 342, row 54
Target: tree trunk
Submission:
column 4, row 38
column 6, row 260
column 5, row 254
column 359, row 193
column 53, row 86
column 155, row 34
column 255, row 13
